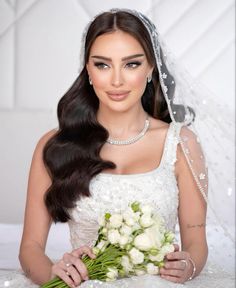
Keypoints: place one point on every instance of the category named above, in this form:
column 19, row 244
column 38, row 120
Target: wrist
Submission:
column 192, row 263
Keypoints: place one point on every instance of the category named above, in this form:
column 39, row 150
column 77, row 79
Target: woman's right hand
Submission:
column 71, row 268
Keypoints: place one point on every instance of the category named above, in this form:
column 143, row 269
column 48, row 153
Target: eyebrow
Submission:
column 123, row 59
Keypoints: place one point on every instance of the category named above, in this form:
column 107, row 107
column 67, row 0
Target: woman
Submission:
column 121, row 138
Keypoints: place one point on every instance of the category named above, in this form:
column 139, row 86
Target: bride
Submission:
column 123, row 136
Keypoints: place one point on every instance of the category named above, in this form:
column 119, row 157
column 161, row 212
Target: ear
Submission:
column 150, row 71
column 87, row 67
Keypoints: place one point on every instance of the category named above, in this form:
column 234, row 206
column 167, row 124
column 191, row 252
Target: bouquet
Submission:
column 133, row 242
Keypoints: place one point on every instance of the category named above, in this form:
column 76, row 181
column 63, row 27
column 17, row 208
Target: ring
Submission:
column 185, row 262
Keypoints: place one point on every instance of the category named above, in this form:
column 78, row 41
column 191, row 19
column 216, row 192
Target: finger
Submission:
column 176, row 247
column 172, row 272
column 178, row 255
column 65, row 277
column 172, row 279
column 70, row 260
column 81, row 268
column 74, row 274
column 178, row 265
column 84, row 250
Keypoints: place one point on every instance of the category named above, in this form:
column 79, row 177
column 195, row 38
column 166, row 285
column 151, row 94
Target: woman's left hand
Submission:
column 177, row 267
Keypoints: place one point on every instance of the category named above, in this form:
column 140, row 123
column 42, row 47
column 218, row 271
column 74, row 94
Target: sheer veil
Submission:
column 207, row 126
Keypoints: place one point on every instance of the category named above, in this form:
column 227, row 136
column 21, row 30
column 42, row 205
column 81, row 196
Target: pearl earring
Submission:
column 90, row 81
column 149, row 78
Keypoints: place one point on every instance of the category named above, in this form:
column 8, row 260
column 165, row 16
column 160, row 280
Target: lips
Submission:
column 117, row 95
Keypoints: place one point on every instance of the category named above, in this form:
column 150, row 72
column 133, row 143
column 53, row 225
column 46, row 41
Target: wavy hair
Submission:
column 72, row 155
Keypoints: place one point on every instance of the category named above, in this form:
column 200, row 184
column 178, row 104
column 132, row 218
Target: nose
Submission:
column 117, row 78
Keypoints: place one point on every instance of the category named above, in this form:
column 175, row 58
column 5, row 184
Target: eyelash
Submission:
column 131, row 65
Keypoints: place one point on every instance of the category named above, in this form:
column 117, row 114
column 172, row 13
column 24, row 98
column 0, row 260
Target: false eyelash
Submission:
column 134, row 62
column 99, row 64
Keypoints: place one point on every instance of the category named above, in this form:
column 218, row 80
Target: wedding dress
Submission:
column 112, row 192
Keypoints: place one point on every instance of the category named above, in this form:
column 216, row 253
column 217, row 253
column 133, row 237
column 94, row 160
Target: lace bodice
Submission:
column 112, row 192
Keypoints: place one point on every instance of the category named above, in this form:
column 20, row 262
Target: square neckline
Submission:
column 104, row 174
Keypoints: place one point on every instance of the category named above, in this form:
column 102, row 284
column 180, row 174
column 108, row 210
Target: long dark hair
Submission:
column 72, row 155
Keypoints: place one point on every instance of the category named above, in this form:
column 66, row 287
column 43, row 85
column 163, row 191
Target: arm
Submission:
column 192, row 216
column 35, row 263
column 37, row 221
column 192, row 221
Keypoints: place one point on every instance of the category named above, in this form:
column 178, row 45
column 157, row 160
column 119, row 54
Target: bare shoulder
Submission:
column 42, row 142
column 158, row 124
column 45, row 138
column 158, row 127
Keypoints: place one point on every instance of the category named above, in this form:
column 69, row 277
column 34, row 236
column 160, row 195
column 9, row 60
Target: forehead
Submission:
column 116, row 43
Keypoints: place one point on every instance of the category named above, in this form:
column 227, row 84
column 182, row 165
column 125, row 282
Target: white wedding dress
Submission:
column 113, row 193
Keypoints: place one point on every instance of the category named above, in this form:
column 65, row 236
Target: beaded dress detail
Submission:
column 112, row 192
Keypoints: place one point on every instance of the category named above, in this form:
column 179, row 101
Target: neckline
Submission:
column 113, row 175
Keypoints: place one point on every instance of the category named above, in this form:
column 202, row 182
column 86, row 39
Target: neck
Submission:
column 122, row 125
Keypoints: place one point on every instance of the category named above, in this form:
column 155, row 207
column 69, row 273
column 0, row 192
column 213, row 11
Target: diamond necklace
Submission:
column 130, row 140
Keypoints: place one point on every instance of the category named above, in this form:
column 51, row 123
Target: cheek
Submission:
column 138, row 80
column 100, row 80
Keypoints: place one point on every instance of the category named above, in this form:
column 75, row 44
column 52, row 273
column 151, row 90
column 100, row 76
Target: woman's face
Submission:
column 118, row 69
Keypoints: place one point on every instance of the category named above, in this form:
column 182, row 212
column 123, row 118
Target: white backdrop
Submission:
column 39, row 59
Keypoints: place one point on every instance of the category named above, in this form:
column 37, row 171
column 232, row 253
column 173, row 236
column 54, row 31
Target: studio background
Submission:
column 40, row 58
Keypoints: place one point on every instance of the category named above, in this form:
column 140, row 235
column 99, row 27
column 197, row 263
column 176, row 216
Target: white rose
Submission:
column 139, row 272
column 155, row 235
column 115, row 220
column 125, row 230
column 113, row 236
column 123, row 240
column 146, row 209
column 137, row 216
column 167, row 248
column 146, row 220
column 129, row 217
column 102, row 245
column 136, row 226
column 143, row 242
column 159, row 222
column 136, row 256
column 152, row 269
column 159, row 257
column 112, row 273
column 125, row 262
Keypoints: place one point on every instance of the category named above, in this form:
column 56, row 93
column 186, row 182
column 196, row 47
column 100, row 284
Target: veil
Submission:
column 206, row 127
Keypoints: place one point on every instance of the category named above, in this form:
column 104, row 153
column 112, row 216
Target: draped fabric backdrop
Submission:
column 39, row 59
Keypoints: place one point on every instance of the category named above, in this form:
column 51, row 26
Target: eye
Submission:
column 101, row 65
column 133, row 64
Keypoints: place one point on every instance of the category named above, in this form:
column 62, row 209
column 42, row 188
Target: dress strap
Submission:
column 172, row 140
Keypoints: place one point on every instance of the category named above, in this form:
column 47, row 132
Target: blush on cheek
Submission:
column 100, row 82
column 138, row 80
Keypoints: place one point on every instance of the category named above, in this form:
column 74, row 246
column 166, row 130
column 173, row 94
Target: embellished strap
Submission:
column 172, row 140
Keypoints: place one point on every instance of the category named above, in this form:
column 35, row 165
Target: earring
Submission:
column 149, row 78
column 90, row 81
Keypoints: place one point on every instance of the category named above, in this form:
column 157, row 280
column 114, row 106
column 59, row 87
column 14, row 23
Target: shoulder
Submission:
column 43, row 141
column 189, row 145
column 158, row 126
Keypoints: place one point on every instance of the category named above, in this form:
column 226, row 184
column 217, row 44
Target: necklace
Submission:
column 130, row 140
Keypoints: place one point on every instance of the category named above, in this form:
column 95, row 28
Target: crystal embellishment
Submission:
column 133, row 139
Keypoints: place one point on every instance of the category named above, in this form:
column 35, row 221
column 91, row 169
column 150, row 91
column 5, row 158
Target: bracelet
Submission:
column 194, row 269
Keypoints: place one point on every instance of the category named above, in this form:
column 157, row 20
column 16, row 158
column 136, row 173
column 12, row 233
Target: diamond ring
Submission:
column 185, row 263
